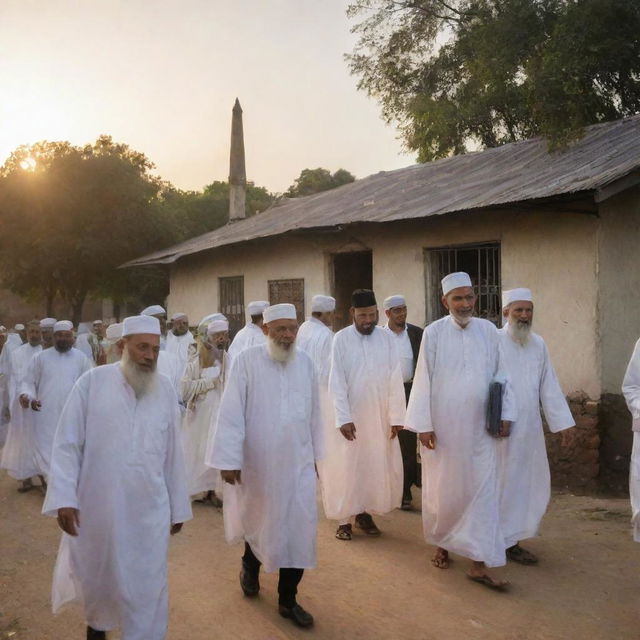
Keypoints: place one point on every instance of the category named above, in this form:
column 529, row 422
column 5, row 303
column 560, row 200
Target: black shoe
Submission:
column 249, row 583
column 297, row 615
column 365, row 522
column 92, row 634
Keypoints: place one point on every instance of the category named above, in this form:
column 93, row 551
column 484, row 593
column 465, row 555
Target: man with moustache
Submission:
column 118, row 489
column 364, row 474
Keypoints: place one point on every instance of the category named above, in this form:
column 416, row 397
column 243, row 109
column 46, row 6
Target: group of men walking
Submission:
column 371, row 411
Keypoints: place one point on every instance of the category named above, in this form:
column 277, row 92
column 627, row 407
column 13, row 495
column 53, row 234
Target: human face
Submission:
column 365, row 319
column 219, row 340
column 34, row 335
column 180, row 326
column 143, row 350
column 283, row 332
column 47, row 337
column 63, row 340
column 520, row 313
column 460, row 303
column 98, row 329
column 397, row 317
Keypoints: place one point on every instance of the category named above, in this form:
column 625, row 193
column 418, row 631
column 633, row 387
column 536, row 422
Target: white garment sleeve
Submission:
column 509, row 404
column 554, row 404
column 419, row 408
column 194, row 383
column 317, row 429
column 631, row 386
column 338, row 385
column 324, row 366
column 397, row 400
column 227, row 452
column 67, row 452
column 175, row 473
column 29, row 384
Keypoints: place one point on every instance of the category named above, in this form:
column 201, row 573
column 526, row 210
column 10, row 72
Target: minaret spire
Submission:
column 237, row 171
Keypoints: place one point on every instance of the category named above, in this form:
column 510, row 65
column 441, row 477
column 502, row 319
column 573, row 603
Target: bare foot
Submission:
column 440, row 558
column 479, row 573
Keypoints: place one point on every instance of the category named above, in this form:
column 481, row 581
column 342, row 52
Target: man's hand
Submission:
column 505, row 429
column 568, row 437
column 231, row 476
column 176, row 528
column 348, row 431
column 428, row 440
column 24, row 401
column 395, row 430
column 36, row 404
column 69, row 520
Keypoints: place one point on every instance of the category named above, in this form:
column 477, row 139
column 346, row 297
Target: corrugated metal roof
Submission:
column 508, row 174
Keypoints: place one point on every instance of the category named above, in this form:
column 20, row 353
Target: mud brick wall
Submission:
column 577, row 467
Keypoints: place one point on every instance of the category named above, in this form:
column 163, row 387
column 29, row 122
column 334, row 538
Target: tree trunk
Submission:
column 77, row 302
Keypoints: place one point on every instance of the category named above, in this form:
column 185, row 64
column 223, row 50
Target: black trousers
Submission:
column 287, row 583
column 409, row 448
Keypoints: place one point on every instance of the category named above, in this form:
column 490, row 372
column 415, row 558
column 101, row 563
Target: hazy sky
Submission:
column 162, row 76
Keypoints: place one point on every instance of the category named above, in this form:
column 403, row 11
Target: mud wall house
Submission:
column 566, row 225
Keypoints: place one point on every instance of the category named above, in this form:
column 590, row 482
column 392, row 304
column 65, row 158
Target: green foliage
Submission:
column 316, row 180
column 462, row 74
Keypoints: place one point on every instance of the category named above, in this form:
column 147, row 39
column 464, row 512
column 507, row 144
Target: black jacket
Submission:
column 415, row 338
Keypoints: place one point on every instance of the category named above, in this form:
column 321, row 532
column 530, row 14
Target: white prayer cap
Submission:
column 204, row 323
column 217, row 326
column 97, row 322
column 153, row 310
column 516, row 295
column 178, row 316
column 284, row 311
column 455, row 281
column 63, row 325
column 47, row 323
column 257, row 307
column 114, row 332
column 394, row 301
column 140, row 324
column 323, row 304
column 19, row 327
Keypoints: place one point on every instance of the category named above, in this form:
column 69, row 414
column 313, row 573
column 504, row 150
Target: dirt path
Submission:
column 587, row 585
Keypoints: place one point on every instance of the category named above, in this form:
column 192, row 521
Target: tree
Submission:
column 316, row 180
column 461, row 74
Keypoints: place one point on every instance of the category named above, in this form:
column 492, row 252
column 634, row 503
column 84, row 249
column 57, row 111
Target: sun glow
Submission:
column 28, row 164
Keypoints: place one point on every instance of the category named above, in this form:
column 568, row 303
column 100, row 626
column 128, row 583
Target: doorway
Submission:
column 350, row 271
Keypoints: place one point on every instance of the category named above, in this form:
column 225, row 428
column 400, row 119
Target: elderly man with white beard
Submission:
column 524, row 468
column 118, row 489
column 458, row 362
column 268, row 438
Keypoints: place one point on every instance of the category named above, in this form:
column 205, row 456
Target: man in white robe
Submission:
column 18, row 454
column 4, row 393
column 180, row 339
column 268, row 437
column 363, row 474
column 251, row 334
column 459, row 359
column 202, row 387
column 631, row 392
column 159, row 312
column 524, row 468
column 118, row 488
column 82, row 339
column 46, row 326
column 45, row 388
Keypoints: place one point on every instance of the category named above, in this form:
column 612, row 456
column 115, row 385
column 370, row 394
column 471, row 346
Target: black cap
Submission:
column 363, row 298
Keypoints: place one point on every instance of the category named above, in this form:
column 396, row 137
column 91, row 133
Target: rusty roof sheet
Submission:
column 509, row 174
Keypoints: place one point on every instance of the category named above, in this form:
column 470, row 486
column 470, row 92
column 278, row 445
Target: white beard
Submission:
column 463, row 321
column 519, row 333
column 278, row 353
column 141, row 381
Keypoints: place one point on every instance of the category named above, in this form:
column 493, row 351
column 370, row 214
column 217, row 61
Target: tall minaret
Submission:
column 237, row 172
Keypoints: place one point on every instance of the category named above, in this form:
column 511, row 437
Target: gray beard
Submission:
column 278, row 353
column 519, row 333
column 142, row 382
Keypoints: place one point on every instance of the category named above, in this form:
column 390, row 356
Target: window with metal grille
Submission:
column 291, row 291
column 481, row 262
column 232, row 302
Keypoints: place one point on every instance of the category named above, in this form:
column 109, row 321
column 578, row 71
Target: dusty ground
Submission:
column 587, row 585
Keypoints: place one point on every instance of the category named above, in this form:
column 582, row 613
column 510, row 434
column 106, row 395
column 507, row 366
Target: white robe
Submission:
column 249, row 336
column 201, row 394
column 50, row 377
column 5, row 365
column 169, row 365
column 180, row 347
column 82, row 344
column 366, row 387
column 18, row 453
column 460, row 492
column 631, row 391
column 524, row 468
column 119, row 461
column 269, row 427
